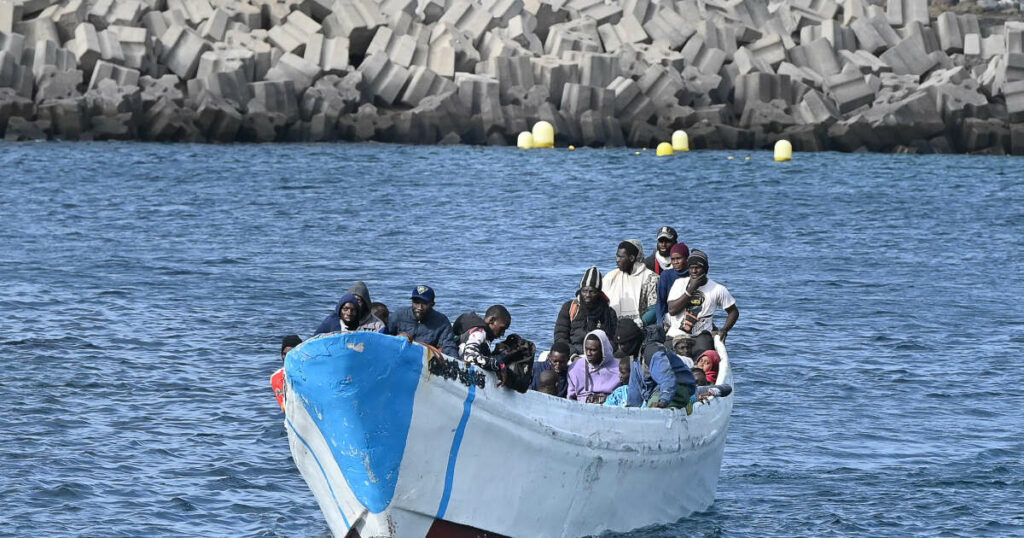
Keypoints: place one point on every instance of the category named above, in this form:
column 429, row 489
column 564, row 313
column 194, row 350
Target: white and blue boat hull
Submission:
column 390, row 449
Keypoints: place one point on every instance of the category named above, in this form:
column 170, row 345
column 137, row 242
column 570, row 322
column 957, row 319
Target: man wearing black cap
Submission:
column 692, row 303
column 587, row 312
column 424, row 324
column 659, row 260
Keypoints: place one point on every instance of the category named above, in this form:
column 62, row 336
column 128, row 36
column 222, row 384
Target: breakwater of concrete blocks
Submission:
column 855, row 75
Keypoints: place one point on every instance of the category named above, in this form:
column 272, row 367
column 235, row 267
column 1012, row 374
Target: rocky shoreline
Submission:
column 738, row 74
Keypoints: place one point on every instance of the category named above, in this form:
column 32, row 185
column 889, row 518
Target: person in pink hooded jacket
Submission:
column 592, row 379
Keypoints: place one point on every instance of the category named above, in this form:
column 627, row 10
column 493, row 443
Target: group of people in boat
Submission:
column 639, row 336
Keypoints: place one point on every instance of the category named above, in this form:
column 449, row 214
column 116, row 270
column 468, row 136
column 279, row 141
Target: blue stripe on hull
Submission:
column 453, row 456
column 322, row 471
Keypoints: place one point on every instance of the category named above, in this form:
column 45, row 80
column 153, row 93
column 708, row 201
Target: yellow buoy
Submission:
column 680, row 141
column 664, row 149
column 783, row 151
column 572, row 148
column 543, row 135
column 525, row 140
column 747, row 158
column 637, row 153
column 730, row 157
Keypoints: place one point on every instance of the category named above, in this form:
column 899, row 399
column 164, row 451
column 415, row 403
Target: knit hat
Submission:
column 591, row 278
column 627, row 331
column 698, row 258
column 680, row 248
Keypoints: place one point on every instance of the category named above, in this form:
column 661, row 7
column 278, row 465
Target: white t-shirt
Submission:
column 704, row 302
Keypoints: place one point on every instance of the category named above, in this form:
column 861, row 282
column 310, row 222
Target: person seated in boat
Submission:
column 358, row 297
column 548, row 383
column 558, row 362
column 381, row 311
column 692, row 303
column 619, row 396
column 423, row 324
column 629, row 339
column 632, row 288
column 658, row 261
column 587, row 312
column 593, row 379
column 708, row 362
column 706, row 390
column 677, row 258
column 709, row 391
column 288, row 343
column 277, row 378
column 699, row 376
column 476, row 335
column 661, row 379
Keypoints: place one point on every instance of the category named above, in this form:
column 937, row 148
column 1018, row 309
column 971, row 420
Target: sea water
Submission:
column 145, row 290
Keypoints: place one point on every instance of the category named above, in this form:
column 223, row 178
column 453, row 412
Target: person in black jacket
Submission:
column 587, row 312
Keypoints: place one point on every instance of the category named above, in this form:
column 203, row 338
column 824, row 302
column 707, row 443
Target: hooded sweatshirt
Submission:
column 665, row 372
column 712, row 373
column 633, row 293
column 367, row 321
column 585, row 379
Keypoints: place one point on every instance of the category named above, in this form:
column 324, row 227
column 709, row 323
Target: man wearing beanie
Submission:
column 693, row 301
column 587, row 312
column 658, row 261
column 677, row 257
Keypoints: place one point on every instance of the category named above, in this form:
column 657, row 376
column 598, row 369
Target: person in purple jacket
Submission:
column 591, row 380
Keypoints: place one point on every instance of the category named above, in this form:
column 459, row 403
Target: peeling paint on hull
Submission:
column 488, row 460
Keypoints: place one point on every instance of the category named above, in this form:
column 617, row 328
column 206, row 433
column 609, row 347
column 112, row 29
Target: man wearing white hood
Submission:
column 632, row 288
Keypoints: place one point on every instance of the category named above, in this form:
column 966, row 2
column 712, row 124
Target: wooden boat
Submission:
column 396, row 440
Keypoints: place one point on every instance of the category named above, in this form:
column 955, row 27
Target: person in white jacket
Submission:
column 632, row 288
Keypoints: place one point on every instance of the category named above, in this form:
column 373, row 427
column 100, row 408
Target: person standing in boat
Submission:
column 632, row 289
column 659, row 261
column 677, row 257
column 357, row 316
column 660, row 379
column 558, row 364
column 692, row 303
column 593, row 379
column 587, row 312
column 424, row 324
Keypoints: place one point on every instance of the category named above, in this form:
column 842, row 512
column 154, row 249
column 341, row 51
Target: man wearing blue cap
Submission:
column 424, row 324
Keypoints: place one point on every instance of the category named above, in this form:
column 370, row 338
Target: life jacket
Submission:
column 277, row 383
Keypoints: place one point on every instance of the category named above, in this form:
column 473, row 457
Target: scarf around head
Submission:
column 711, row 373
